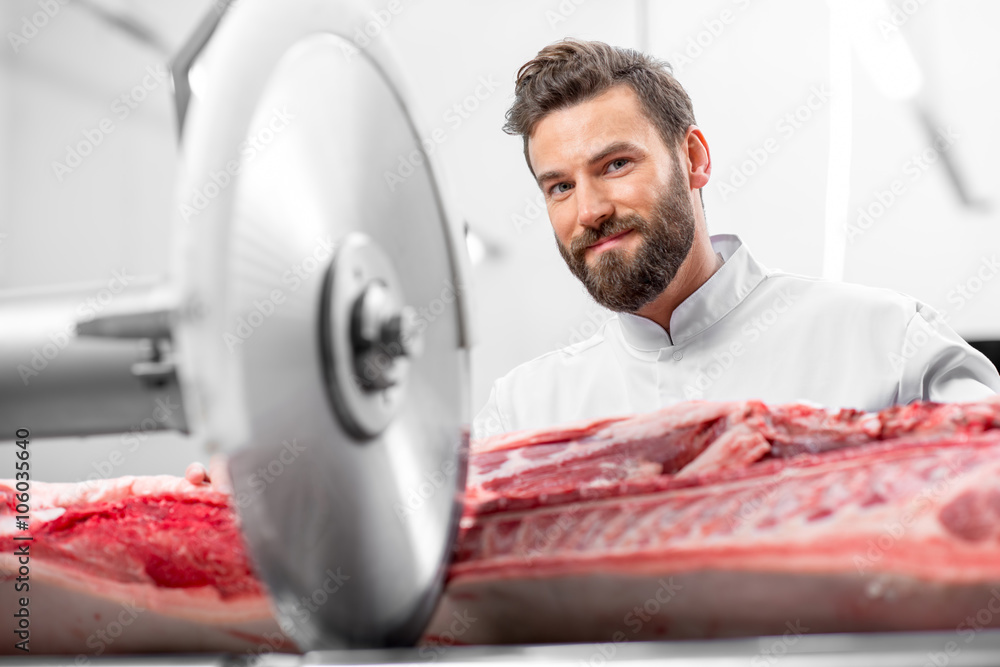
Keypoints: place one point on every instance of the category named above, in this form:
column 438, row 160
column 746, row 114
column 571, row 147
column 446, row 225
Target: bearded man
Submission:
column 610, row 137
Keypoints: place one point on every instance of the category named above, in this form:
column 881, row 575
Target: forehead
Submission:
column 575, row 133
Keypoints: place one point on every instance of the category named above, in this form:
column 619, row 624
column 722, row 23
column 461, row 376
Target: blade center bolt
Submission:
column 382, row 331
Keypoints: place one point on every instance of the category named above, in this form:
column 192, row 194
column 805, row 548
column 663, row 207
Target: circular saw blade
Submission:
column 287, row 156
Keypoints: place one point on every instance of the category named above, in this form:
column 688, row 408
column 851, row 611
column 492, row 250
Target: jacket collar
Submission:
column 720, row 294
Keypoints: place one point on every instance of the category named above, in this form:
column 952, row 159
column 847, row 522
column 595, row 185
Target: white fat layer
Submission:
column 9, row 525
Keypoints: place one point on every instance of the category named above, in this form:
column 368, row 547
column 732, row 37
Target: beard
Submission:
column 625, row 284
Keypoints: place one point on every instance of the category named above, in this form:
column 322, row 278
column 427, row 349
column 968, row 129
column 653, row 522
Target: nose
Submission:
column 593, row 205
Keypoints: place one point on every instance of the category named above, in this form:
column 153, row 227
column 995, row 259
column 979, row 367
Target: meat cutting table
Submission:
column 930, row 649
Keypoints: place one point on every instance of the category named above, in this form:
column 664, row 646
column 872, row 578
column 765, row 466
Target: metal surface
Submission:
column 184, row 60
column 940, row 649
column 76, row 364
column 365, row 347
column 285, row 157
column 968, row 648
column 130, row 660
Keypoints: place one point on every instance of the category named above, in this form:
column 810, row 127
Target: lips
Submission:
column 608, row 241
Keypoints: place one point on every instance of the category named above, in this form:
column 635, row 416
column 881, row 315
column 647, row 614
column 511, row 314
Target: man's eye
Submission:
column 560, row 188
column 618, row 164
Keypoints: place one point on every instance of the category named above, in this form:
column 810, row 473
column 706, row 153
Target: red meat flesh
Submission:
column 159, row 556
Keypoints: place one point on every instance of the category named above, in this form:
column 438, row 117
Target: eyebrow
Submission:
column 616, row 147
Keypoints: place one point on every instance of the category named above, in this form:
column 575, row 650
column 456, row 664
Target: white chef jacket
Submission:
column 749, row 333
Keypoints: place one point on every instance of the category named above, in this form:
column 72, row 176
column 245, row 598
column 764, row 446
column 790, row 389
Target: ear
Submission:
column 699, row 160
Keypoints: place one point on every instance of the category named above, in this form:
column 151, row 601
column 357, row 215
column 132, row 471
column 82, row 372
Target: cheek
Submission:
column 634, row 196
column 563, row 223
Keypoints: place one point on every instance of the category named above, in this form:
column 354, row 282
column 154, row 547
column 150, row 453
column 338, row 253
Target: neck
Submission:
column 700, row 264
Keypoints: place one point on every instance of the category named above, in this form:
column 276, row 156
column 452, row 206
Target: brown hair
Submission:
column 572, row 71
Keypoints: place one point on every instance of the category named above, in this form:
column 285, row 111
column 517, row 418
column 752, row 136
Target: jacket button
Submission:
column 678, row 355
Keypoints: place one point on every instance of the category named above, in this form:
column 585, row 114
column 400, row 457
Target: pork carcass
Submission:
column 728, row 519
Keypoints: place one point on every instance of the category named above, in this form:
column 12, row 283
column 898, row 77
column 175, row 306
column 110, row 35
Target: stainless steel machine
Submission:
column 310, row 301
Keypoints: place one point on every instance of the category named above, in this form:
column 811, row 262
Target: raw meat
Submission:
column 616, row 457
column 133, row 564
column 699, row 520
column 737, row 519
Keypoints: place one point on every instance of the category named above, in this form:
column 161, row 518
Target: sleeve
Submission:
column 489, row 421
column 936, row 364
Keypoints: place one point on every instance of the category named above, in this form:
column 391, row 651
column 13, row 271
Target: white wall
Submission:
column 111, row 211
column 928, row 244
column 7, row 157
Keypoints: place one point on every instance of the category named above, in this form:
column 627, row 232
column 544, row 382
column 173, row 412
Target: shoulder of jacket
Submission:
column 543, row 363
column 860, row 296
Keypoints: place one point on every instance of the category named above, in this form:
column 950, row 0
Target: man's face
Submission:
column 617, row 197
